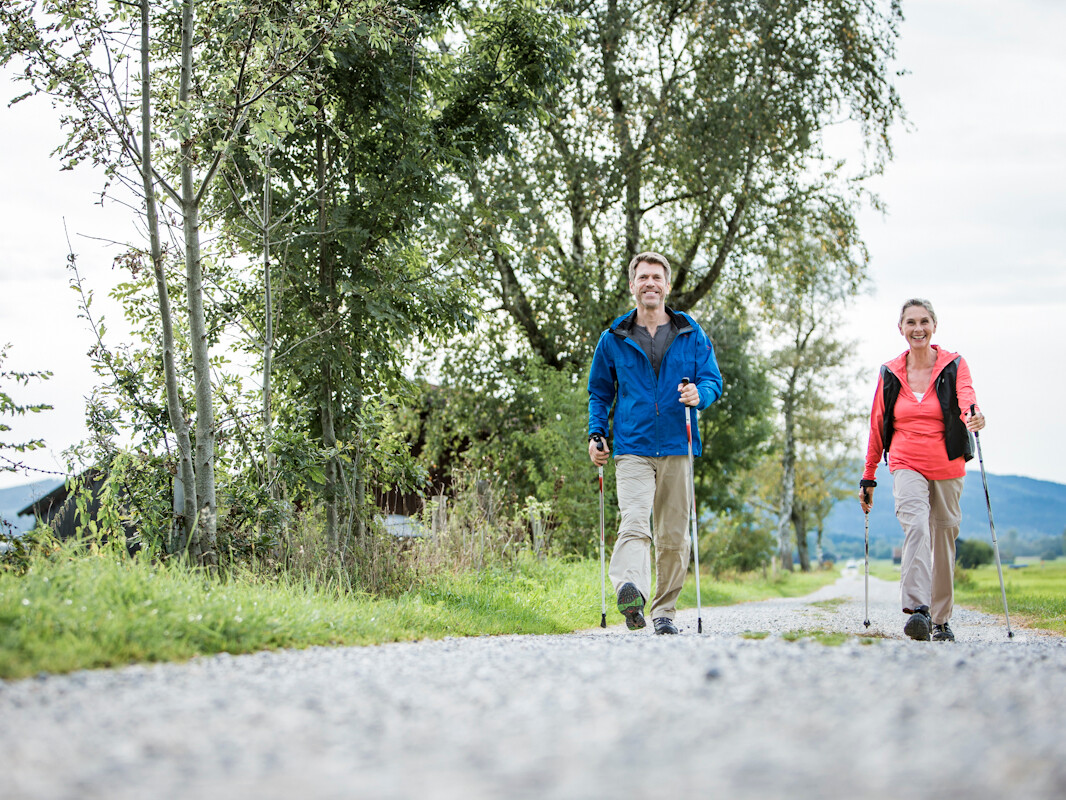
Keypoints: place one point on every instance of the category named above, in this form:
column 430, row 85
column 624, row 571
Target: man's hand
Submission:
column 690, row 395
column 599, row 454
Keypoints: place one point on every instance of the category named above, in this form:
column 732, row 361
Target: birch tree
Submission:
column 694, row 129
column 808, row 369
column 209, row 84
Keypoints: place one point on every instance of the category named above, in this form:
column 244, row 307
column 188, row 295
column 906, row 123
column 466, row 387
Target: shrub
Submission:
column 970, row 553
column 735, row 543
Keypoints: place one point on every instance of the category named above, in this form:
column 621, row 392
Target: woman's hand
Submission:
column 975, row 422
column 866, row 498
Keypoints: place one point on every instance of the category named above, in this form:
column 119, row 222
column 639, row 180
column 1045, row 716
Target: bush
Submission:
column 970, row 553
column 736, row 543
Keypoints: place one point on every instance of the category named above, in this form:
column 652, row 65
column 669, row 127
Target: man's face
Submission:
column 649, row 287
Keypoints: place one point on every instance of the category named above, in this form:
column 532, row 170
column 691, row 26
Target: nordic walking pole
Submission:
column 866, row 622
column 992, row 526
column 692, row 511
column 603, row 573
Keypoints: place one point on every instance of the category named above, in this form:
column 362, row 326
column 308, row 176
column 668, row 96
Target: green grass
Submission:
column 832, row 602
column 882, row 568
column 828, row 638
column 1036, row 595
column 76, row 612
column 744, row 588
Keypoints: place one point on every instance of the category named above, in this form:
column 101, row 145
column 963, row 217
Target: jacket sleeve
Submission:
column 875, row 446
column 601, row 388
column 964, row 389
column 708, row 376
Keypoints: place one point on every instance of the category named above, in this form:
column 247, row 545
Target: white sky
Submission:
column 977, row 211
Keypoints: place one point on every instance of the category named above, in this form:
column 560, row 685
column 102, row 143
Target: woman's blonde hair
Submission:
column 917, row 301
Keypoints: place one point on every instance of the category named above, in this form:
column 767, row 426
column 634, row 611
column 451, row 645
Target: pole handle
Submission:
column 599, row 442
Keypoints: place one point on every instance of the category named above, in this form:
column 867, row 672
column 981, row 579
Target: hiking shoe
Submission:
column 943, row 633
column 631, row 604
column 664, row 625
column 919, row 624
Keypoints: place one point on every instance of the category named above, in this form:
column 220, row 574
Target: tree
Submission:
column 360, row 278
column 802, row 301
column 689, row 128
column 209, row 84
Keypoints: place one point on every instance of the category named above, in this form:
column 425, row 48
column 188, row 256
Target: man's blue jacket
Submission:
column 649, row 418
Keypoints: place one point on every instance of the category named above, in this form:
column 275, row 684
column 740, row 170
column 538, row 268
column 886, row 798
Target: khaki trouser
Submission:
column 930, row 515
column 659, row 488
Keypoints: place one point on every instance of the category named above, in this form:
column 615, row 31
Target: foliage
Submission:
column 9, row 407
column 817, row 269
column 736, row 430
column 690, row 129
column 738, row 542
column 970, row 553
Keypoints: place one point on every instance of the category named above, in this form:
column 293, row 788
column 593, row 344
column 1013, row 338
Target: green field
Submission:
column 1036, row 593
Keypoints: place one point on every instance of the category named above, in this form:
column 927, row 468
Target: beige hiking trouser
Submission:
column 660, row 488
column 929, row 513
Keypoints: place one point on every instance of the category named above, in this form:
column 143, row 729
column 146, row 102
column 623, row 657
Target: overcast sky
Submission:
column 976, row 201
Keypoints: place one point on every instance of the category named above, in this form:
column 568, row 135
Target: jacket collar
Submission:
column 623, row 325
column 898, row 365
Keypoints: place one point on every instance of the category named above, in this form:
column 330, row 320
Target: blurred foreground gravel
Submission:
column 597, row 714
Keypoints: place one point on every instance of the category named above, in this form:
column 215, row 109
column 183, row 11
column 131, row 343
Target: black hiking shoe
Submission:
column 943, row 633
column 919, row 624
column 664, row 625
column 631, row 604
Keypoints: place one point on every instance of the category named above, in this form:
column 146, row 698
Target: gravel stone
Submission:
column 595, row 714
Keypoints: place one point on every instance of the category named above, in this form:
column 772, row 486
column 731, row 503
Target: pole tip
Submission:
column 699, row 626
column 603, row 620
column 1010, row 634
column 866, row 623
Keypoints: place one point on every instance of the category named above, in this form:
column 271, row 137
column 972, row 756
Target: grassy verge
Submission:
column 1036, row 595
column 753, row 586
column 69, row 613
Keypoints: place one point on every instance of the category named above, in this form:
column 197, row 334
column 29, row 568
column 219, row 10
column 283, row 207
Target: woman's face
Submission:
column 917, row 327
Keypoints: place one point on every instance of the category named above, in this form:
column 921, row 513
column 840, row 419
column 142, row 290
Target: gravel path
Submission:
column 596, row 714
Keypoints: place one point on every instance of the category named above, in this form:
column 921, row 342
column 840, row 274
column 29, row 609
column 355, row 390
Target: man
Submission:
column 637, row 370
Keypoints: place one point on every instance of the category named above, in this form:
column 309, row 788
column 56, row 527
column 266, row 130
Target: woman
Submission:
column 921, row 422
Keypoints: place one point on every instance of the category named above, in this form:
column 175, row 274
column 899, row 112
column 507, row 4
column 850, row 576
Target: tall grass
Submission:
column 79, row 611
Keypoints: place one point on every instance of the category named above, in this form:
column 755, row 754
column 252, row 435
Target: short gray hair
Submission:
column 917, row 301
column 651, row 258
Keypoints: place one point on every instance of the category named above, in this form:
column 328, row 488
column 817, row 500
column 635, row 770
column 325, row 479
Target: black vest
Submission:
column 957, row 439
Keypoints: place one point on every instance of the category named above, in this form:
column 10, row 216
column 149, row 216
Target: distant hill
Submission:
column 1026, row 512
column 15, row 498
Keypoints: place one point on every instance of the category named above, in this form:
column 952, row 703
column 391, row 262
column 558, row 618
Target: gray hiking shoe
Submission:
column 664, row 625
column 631, row 604
column 943, row 633
column 919, row 624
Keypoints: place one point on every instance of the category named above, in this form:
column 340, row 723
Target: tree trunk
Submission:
column 268, row 334
column 326, row 290
column 788, row 485
column 175, row 408
column 203, row 548
column 359, row 482
column 799, row 524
